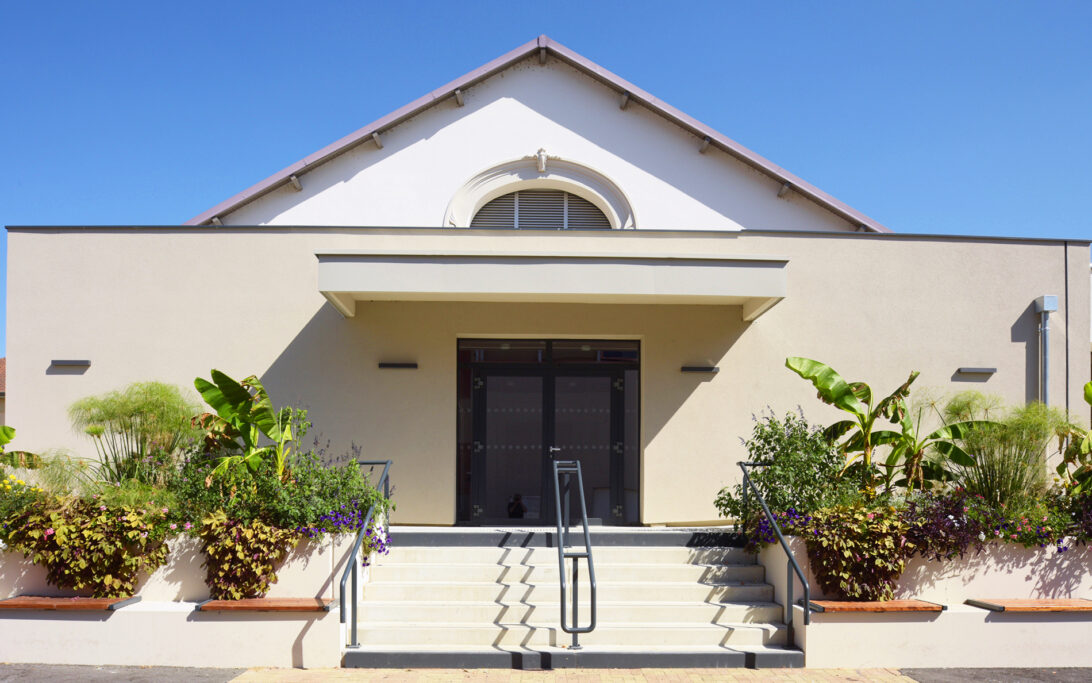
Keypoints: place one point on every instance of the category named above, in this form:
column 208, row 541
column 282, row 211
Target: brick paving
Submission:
column 572, row 675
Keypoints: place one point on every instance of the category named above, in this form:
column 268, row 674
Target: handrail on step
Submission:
column 793, row 567
column 567, row 468
column 352, row 565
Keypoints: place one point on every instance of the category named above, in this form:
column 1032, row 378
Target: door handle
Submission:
column 555, row 449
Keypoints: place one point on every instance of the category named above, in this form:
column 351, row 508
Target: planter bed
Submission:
column 168, row 621
column 961, row 635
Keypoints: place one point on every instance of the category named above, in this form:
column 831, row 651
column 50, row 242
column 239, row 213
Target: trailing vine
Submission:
column 91, row 547
column 241, row 557
column 858, row 552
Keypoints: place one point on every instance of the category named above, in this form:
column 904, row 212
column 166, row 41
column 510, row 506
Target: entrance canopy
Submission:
column 754, row 283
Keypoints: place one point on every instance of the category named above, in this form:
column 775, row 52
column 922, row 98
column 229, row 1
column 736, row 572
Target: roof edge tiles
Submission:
column 501, row 63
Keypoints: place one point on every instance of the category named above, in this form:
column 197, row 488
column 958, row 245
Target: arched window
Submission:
column 540, row 209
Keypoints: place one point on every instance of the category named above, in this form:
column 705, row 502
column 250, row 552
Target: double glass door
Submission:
column 525, row 403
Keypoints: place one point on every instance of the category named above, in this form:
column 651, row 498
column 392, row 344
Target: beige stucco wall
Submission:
column 170, row 304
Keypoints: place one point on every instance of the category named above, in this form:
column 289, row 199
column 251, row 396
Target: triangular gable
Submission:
column 544, row 47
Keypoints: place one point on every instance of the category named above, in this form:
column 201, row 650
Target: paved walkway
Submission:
column 51, row 673
column 572, row 675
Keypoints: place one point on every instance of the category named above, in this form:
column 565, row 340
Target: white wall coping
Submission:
column 328, row 254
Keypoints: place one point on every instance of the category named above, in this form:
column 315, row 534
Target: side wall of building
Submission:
column 170, row 304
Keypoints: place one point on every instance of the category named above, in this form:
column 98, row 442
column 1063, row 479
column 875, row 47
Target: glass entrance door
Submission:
column 583, row 430
column 508, row 453
column 523, row 403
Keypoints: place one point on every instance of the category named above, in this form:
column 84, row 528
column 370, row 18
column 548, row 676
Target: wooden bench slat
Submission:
column 73, row 604
column 875, row 606
column 267, row 605
column 1029, row 605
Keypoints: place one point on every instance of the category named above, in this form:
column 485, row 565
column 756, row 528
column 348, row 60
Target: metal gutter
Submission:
column 616, row 234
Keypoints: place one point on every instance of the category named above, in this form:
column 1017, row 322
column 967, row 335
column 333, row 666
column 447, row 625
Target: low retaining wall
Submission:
column 163, row 628
column 961, row 636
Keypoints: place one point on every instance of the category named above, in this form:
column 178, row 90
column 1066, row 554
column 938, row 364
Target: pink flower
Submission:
column 187, row 525
column 102, row 507
column 49, row 531
column 174, row 526
column 165, row 510
column 144, row 534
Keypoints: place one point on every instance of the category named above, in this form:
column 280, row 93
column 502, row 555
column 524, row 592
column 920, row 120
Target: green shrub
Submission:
column 802, row 473
column 89, row 547
column 312, row 492
column 138, row 431
column 136, row 494
column 858, row 552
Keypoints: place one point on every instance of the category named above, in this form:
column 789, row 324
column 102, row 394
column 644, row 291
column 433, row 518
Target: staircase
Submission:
column 478, row 598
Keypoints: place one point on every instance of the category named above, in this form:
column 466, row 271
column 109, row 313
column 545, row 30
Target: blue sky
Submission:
column 966, row 118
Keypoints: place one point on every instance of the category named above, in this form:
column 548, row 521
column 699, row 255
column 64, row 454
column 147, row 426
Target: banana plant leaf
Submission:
column 954, row 453
column 894, row 406
column 833, row 389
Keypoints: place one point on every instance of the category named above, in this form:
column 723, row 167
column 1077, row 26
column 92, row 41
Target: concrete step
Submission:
column 454, row 591
column 515, row 634
column 548, row 613
column 591, row 656
column 523, row 573
column 603, row 555
column 546, row 537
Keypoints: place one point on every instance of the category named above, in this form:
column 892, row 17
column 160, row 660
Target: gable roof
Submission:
column 544, row 46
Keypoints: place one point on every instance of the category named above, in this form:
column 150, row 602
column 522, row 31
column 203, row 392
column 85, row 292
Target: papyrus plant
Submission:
column 138, row 431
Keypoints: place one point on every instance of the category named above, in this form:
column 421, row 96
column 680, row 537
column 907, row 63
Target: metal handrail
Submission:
column 792, row 565
column 353, row 566
column 568, row 468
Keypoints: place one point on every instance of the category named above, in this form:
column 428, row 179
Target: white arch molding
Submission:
column 524, row 174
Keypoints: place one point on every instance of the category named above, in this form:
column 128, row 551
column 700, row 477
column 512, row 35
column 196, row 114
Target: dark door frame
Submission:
column 549, row 371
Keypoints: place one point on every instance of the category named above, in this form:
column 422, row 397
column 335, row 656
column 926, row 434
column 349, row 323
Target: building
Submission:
column 538, row 258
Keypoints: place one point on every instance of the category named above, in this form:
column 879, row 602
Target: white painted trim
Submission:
column 523, row 174
column 550, row 253
column 752, row 285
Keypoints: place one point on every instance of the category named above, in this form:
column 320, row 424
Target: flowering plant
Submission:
column 15, row 496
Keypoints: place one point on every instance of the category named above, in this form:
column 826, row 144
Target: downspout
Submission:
column 1043, row 306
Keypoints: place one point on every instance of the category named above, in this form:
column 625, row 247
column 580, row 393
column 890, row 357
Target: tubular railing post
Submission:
column 354, row 642
column 563, row 471
column 794, row 567
column 788, row 601
column 743, row 523
column 353, row 564
column 576, row 602
column 567, row 509
column 387, row 515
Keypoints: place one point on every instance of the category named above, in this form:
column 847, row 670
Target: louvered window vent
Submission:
column 540, row 209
